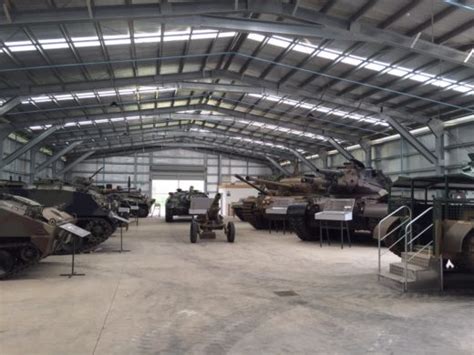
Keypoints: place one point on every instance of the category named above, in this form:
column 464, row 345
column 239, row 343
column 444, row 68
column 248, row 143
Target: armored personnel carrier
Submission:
column 366, row 186
column 178, row 203
column 29, row 232
column 89, row 207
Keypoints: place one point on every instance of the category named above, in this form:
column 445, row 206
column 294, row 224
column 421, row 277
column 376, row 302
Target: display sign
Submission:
column 121, row 219
column 124, row 210
column 134, row 208
column 73, row 229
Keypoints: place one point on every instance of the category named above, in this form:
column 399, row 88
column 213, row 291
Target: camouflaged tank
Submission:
column 364, row 189
column 133, row 199
column 178, row 203
column 89, row 207
column 29, row 232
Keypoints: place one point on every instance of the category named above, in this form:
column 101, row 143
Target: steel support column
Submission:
column 57, row 156
column 415, row 143
column 367, row 148
column 437, row 127
column 341, row 149
column 33, row 153
column 219, row 170
column 75, row 162
column 323, row 155
column 32, row 143
column 5, row 130
column 305, row 161
column 278, row 166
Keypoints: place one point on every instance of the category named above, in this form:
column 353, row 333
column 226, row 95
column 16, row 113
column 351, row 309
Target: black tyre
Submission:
column 7, row 263
column 193, row 234
column 168, row 215
column 230, row 232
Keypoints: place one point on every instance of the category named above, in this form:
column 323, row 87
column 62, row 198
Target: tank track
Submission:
column 467, row 259
column 298, row 224
column 252, row 217
column 20, row 265
column 90, row 243
column 239, row 214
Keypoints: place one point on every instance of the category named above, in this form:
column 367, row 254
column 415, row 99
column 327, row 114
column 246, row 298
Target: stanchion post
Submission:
column 73, row 273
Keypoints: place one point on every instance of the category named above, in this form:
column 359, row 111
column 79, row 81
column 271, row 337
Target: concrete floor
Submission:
column 168, row 296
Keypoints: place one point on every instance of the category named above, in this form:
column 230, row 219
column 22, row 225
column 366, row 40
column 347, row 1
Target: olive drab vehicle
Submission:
column 366, row 187
column 178, row 203
column 132, row 197
column 29, row 232
column 442, row 216
column 89, row 207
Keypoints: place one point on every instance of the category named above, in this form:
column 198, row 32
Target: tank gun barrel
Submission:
column 268, row 183
column 97, row 171
column 241, row 178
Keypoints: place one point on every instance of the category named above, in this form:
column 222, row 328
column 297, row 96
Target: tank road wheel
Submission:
column 169, row 215
column 230, row 232
column 143, row 212
column 67, row 246
column 100, row 230
column 297, row 217
column 7, row 262
column 30, row 253
column 193, row 234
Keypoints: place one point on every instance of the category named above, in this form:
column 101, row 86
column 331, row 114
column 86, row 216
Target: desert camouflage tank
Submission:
column 367, row 189
column 29, row 232
column 178, row 203
column 90, row 208
column 273, row 199
column 237, row 207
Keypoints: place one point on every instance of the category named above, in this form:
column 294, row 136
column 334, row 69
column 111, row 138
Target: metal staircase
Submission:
column 417, row 268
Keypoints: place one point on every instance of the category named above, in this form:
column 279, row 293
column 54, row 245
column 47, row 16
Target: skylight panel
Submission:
column 352, row 60
column 256, row 37
column 461, row 88
column 278, row 42
column 63, row 97
column 85, row 123
column 397, row 72
column 70, row 124
column 304, row 48
column 440, row 83
column 374, row 66
column 328, row 54
column 419, row 77
column 21, row 48
column 101, row 121
column 85, row 95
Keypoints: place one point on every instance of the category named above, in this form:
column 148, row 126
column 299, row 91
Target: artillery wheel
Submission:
column 7, row 262
column 168, row 215
column 193, row 235
column 230, row 232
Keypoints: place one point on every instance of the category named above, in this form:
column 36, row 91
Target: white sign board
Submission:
column 121, row 219
column 124, row 210
column 73, row 229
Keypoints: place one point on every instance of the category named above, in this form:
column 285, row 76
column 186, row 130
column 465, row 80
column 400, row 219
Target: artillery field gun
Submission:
column 29, row 233
column 208, row 219
column 179, row 202
column 89, row 207
column 368, row 187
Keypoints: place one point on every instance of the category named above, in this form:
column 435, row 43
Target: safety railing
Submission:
column 382, row 238
column 409, row 240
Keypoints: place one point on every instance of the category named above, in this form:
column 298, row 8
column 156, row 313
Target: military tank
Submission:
column 237, row 207
column 274, row 197
column 178, row 203
column 29, row 233
column 366, row 186
column 132, row 197
column 89, row 207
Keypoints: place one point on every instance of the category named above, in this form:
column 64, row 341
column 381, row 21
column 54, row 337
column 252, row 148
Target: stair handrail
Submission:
column 408, row 235
column 386, row 235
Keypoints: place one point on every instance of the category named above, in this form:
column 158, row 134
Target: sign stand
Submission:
column 135, row 208
column 126, row 221
column 76, row 232
column 73, row 273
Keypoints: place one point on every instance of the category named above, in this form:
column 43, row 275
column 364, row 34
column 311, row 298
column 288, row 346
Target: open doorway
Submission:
column 160, row 188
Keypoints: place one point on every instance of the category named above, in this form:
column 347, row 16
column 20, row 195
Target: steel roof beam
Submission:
column 26, row 147
column 57, row 156
column 10, row 105
column 305, row 161
column 341, row 149
column 412, row 140
column 313, row 23
column 254, row 85
column 76, row 162
column 278, row 166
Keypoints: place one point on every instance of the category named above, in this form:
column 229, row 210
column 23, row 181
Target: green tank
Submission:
column 178, row 203
column 29, row 233
column 89, row 207
column 132, row 198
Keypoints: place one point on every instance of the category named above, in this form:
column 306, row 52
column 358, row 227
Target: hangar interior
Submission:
column 105, row 99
